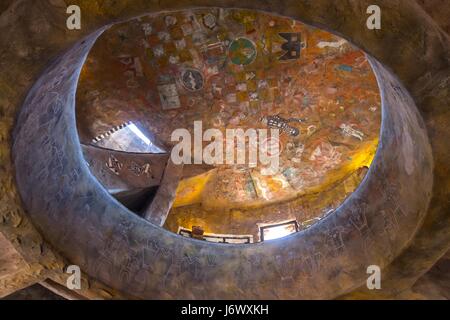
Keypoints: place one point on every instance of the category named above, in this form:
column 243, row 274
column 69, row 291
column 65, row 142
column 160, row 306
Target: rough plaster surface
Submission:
column 412, row 41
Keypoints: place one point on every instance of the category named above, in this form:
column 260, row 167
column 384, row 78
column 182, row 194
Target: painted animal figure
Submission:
column 278, row 122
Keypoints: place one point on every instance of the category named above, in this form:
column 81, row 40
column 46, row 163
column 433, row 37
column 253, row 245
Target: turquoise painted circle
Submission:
column 242, row 51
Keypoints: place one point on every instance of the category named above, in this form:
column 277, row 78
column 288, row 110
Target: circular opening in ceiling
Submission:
column 303, row 103
column 80, row 219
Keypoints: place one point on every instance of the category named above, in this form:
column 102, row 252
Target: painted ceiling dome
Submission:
column 302, row 99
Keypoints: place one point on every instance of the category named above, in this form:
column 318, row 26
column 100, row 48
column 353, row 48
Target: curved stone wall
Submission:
column 85, row 224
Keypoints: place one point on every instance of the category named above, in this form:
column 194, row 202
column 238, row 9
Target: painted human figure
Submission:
column 359, row 221
column 335, row 241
